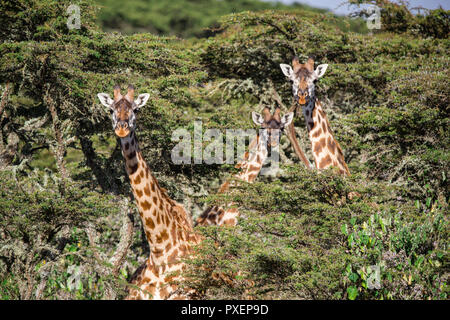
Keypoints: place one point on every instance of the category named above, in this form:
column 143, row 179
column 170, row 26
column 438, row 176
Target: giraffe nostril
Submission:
column 122, row 124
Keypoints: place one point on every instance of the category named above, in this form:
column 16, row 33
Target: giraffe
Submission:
column 167, row 225
column 250, row 166
column 326, row 150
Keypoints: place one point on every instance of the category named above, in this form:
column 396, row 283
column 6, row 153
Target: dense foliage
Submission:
column 398, row 17
column 67, row 227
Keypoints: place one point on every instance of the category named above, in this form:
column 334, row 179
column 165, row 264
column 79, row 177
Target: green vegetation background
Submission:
column 182, row 18
column 65, row 202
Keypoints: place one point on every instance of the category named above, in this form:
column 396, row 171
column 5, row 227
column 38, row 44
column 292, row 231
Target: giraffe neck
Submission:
column 253, row 160
column 326, row 150
column 250, row 166
column 166, row 226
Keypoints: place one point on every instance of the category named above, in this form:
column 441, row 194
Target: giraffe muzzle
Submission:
column 302, row 98
column 273, row 143
column 273, row 140
column 122, row 130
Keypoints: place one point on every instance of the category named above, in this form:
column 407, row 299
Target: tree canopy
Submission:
column 65, row 202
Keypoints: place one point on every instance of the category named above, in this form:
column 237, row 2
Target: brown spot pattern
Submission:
column 317, row 133
column 252, row 177
column 147, row 190
column 145, row 205
column 317, row 148
column 325, row 162
column 331, row 144
column 173, row 257
column 229, row 222
column 149, row 223
column 322, row 113
column 324, row 127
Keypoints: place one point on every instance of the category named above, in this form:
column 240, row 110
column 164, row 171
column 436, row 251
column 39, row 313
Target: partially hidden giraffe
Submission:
column 271, row 126
column 167, row 225
column 326, row 150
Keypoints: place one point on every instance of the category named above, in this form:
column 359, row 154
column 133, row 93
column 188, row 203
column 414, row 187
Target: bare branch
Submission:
column 60, row 150
column 3, row 101
column 126, row 238
column 4, row 98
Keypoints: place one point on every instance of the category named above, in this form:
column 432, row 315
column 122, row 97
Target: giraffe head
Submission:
column 123, row 109
column 272, row 124
column 303, row 77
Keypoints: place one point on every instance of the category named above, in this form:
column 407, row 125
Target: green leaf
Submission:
column 344, row 229
column 417, row 204
column 352, row 292
column 350, row 239
column 353, row 277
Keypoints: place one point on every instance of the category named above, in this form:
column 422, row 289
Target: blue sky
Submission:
column 334, row 4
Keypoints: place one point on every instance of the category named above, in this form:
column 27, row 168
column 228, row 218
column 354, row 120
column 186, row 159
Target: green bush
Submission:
column 397, row 17
column 303, row 238
column 43, row 240
column 301, row 234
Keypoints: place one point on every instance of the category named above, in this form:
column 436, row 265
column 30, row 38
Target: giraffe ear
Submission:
column 257, row 118
column 320, row 70
column 141, row 100
column 287, row 70
column 105, row 99
column 287, row 119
